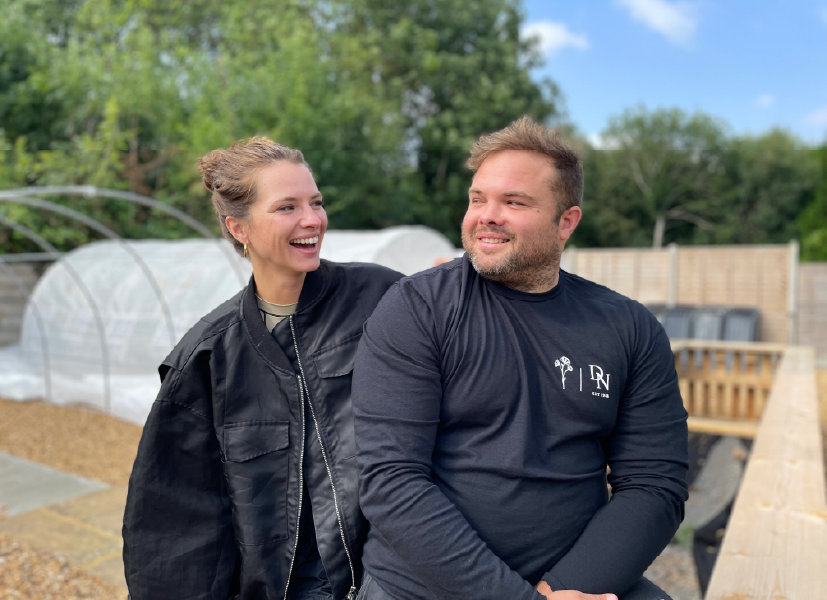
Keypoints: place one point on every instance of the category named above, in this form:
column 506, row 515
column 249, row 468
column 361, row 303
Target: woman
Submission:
column 245, row 484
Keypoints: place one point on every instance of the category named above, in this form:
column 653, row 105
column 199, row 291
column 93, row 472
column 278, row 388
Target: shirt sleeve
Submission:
column 177, row 532
column 397, row 395
column 648, row 456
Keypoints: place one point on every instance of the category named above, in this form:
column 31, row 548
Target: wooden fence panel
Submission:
column 812, row 305
column 638, row 273
column 13, row 301
column 731, row 276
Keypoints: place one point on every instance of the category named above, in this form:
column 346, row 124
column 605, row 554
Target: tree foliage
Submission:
column 668, row 176
column 384, row 100
column 813, row 219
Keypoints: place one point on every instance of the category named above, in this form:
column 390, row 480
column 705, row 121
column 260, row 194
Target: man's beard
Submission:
column 532, row 266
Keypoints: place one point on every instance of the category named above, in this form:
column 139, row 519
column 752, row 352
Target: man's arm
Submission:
column 397, row 394
column 648, row 457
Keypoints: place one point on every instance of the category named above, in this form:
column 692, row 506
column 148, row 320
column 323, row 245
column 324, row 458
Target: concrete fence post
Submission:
column 792, row 293
column 673, row 275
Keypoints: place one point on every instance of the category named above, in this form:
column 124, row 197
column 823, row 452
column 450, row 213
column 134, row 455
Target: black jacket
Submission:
column 214, row 495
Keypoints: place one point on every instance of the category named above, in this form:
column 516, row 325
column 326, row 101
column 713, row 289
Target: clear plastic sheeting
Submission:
column 408, row 249
column 102, row 318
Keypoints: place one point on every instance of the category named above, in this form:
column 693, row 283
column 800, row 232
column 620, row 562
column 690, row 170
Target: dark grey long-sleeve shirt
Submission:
column 485, row 419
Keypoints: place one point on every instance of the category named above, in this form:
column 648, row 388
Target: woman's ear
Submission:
column 234, row 226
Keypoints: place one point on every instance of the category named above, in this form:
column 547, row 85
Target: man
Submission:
column 491, row 393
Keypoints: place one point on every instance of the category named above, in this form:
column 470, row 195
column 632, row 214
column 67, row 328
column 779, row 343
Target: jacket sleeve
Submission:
column 397, row 395
column 648, row 457
column 177, row 531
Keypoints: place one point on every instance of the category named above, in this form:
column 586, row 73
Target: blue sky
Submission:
column 756, row 64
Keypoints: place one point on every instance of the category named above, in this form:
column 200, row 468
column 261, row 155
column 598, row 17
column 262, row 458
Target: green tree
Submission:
column 813, row 219
column 460, row 69
column 661, row 173
column 767, row 182
column 665, row 175
column 384, row 102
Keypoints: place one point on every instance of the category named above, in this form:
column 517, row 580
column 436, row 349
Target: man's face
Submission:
column 511, row 230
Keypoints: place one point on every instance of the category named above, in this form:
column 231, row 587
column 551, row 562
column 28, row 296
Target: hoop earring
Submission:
column 245, row 251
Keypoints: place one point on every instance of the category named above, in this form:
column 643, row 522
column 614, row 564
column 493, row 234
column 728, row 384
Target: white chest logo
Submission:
column 597, row 375
column 564, row 364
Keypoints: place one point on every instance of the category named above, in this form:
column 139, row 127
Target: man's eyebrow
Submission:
column 514, row 194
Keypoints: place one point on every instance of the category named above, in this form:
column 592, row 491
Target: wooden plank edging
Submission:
column 776, row 541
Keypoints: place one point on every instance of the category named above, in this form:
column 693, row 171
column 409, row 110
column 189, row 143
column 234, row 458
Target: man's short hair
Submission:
column 525, row 134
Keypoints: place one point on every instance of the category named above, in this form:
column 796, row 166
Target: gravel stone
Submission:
column 74, row 440
column 674, row 572
column 29, row 575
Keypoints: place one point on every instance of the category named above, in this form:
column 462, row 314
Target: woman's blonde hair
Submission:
column 230, row 174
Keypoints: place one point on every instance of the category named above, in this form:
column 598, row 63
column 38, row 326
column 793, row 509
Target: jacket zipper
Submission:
column 301, row 490
column 352, row 593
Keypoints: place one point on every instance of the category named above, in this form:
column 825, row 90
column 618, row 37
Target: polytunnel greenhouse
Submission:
column 102, row 318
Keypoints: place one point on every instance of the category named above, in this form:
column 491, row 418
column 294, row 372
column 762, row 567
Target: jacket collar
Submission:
column 314, row 285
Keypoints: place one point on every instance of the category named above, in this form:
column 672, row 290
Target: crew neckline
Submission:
column 503, row 290
column 261, row 301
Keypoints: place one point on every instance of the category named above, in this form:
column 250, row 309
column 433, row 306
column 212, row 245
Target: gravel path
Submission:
column 78, row 441
column 29, row 575
column 674, row 572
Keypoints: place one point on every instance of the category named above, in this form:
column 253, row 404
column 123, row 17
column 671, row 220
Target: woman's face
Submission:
column 287, row 222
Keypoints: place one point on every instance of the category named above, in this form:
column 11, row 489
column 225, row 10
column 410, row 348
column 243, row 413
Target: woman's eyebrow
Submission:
column 295, row 199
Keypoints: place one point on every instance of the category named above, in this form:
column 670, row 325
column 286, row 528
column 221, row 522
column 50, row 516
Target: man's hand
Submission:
column 546, row 591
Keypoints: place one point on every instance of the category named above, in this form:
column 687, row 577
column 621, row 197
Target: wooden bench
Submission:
column 725, row 385
column 775, row 545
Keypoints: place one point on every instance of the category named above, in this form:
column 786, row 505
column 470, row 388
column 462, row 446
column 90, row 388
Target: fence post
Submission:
column 792, row 294
column 673, row 275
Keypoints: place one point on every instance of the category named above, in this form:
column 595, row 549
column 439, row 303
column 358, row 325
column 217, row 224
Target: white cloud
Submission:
column 676, row 21
column 765, row 100
column 553, row 37
column 817, row 117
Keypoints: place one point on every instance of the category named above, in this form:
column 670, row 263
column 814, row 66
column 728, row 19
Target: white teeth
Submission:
column 312, row 240
column 493, row 240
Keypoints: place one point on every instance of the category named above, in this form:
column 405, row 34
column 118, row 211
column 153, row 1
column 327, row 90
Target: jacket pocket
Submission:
column 256, row 462
column 338, row 360
column 335, row 369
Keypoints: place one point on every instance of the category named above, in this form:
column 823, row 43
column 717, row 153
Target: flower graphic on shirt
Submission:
column 564, row 364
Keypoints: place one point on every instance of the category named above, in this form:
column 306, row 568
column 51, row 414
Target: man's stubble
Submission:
column 531, row 266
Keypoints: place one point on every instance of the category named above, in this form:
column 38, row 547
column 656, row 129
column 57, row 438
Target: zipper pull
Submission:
column 351, row 595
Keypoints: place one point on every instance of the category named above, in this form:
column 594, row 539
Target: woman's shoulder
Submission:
column 206, row 331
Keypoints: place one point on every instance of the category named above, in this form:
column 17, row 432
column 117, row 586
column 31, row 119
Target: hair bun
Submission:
column 208, row 166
